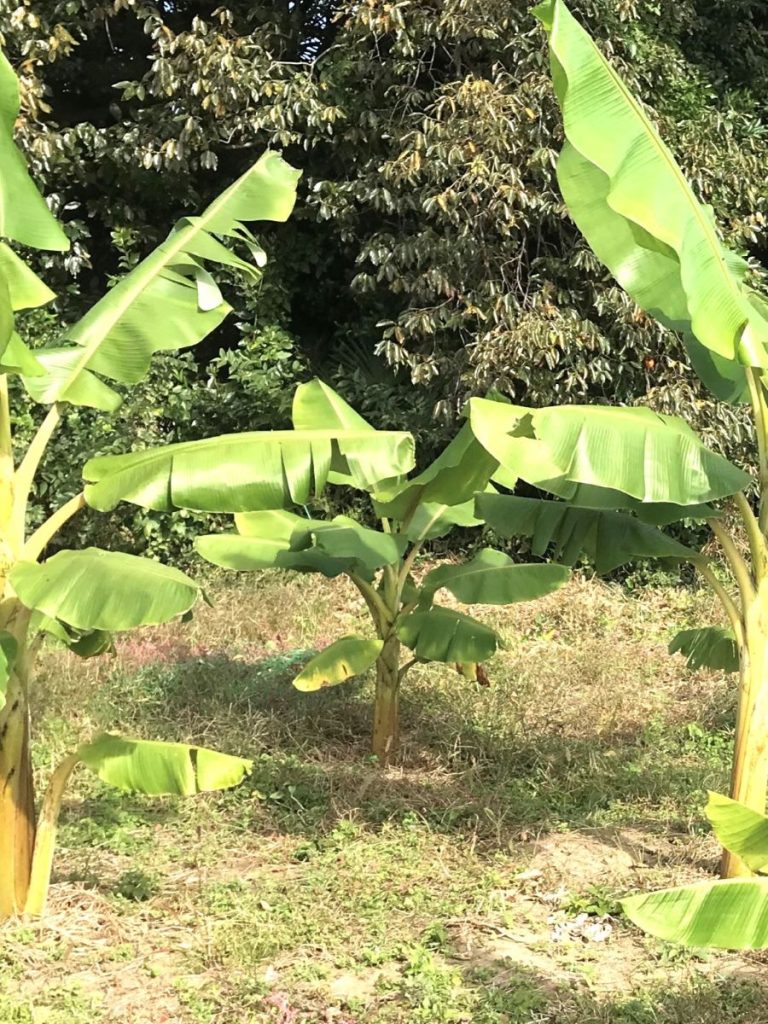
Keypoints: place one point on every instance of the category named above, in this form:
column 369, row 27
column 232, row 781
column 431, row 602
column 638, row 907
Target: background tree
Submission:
column 428, row 221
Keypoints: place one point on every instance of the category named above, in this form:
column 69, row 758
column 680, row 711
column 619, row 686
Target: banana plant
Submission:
column 275, row 530
column 80, row 598
column 727, row 914
column 624, row 473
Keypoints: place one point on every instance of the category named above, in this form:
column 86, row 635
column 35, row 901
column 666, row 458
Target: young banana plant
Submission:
column 622, row 473
column 169, row 301
column 408, row 626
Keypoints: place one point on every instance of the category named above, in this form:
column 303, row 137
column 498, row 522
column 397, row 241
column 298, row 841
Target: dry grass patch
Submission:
column 449, row 888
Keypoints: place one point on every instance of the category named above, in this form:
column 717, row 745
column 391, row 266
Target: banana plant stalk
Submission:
column 81, row 597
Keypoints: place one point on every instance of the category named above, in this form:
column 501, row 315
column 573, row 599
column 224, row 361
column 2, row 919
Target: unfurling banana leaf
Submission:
column 637, row 211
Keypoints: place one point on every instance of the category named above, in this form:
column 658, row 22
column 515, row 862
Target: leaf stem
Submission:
column 25, row 474
column 760, row 410
column 45, row 840
column 729, row 605
column 42, row 536
column 377, row 607
column 738, row 566
column 757, row 542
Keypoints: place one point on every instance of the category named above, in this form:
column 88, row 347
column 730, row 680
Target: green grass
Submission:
column 325, row 890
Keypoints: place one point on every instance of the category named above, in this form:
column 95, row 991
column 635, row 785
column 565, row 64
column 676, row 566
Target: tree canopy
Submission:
column 430, row 228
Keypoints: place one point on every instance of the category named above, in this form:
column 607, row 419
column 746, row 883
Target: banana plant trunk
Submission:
column 17, row 800
column 749, row 779
column 386, row 717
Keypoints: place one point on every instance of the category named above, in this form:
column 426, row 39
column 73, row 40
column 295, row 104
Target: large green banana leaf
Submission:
column 433, row 519
column 607, row 129
column 250, row 554
column 160, row 769
column 107, row 590
column 608, row 539
column 316, row 406
column 731, row 914
column 650, row 274
column 441, row 634
column 641, row 453
column 245, row 472
column 24, row 217
column 345, row 658
column 712, row 647
column 283, row 540
column 462, row 469
column 168, row 301
column 740, row 830
column 492, row 577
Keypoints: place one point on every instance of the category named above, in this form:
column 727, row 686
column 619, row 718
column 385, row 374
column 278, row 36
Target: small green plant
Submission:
column 136, row 885
column 726, row 914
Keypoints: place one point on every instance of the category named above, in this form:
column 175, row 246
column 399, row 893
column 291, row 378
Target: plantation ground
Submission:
column 476, row 881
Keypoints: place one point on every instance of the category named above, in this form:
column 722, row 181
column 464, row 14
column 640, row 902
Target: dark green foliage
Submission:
column 429, row 224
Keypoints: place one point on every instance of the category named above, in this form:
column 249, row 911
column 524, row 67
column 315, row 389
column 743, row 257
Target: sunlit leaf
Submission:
column 159, row 769
column 740, row 830
column 350, row 656
column 492, row 577
column 106, row 590
column 730, row 914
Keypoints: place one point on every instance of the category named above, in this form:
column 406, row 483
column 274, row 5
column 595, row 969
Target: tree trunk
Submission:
column 386, row 719
column 17, row 801
column 749, row 778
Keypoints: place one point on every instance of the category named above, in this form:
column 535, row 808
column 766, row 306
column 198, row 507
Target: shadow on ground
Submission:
column 477, row 762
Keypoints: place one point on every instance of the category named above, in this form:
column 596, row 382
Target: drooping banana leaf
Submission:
column 492, row 577
column 740, row 830
column 608, row 539
column 462, row 469
column 283, row 540
column 160, row 769
column 730, row 914
column 646, row 455
column 25, row 288
column 245, row 472
column 250, row 554
column 345, row 658
column 316, row 406
column 441, row 634
column 106, row 590
column 20, row 288
column 169, row 301
column 649, row 274
column 609, row 130
column 433, row 519
column 708, row 647
column 24, row 217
